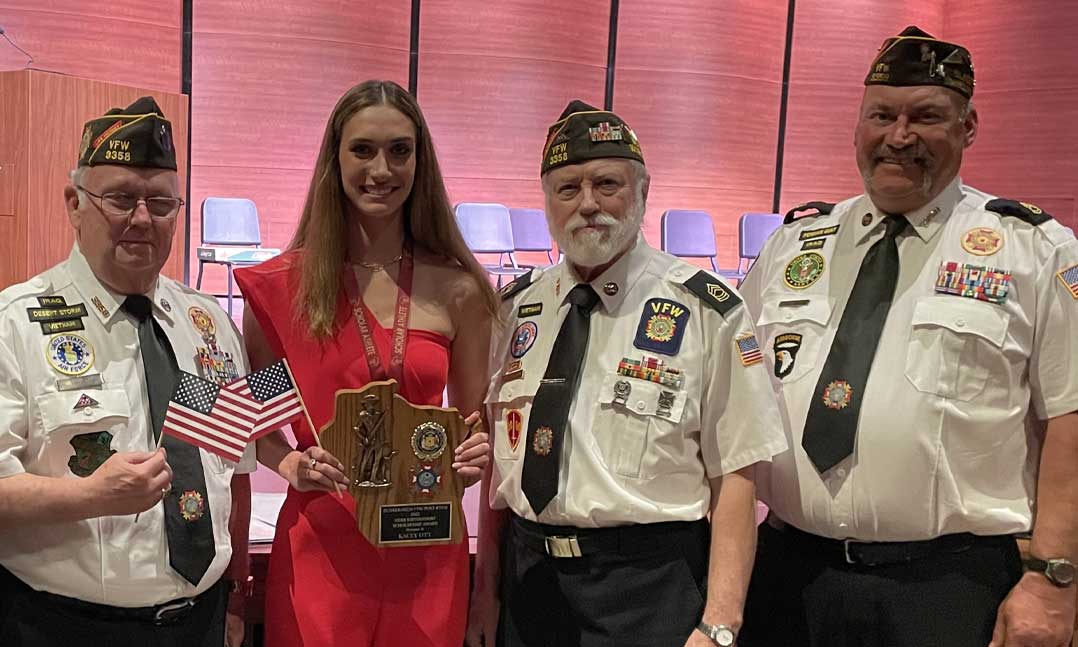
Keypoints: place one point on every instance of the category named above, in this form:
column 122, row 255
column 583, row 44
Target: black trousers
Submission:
column 36, row 620
column 801, row 598
column 647, row 591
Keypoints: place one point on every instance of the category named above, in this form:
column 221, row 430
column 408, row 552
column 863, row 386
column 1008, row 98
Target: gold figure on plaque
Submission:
column 371, row 468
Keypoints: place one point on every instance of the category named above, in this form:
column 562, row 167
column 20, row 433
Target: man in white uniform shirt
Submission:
column 924, row 339
column 628, row 403
column 88, row 357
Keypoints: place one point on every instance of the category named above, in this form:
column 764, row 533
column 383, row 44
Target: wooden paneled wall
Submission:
column 700, row 85
column 1027, row 98
column 262, row 90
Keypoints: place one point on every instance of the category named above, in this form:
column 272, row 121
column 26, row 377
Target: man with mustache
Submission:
column 628, row 404
column 923, row 339
column 109, row 536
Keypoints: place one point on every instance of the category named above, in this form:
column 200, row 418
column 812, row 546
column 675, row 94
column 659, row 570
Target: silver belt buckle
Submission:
column 559, row 547
column 846, row 551
column 169, row 613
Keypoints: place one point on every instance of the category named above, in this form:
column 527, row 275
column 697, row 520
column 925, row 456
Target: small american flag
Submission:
column 749, row 349
column 273, row 387
column 215, row 418
column 1069, row 278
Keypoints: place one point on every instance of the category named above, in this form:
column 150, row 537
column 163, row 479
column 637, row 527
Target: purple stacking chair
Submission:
column 487, row 229
column 530, row 233
column 229, row 222
column 691, row 234
column 753, row 231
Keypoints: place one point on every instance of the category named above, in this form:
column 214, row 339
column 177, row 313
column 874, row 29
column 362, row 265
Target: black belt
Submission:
column 160, row 615
column 885, row 553
column 569, row 541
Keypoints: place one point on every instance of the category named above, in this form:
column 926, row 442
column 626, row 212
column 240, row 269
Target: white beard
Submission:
column 592, row 248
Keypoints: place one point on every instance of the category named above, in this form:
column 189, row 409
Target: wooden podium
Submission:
column 43, row 115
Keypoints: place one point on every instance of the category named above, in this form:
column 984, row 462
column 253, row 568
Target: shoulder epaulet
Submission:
column 1030, row 213
column 712, row 292
column 822, row 209
column 516, row 285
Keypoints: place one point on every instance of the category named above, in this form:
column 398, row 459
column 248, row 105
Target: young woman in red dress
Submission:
column 377, row 230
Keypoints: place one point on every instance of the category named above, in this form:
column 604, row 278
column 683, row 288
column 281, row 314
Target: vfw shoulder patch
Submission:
column 662, row 326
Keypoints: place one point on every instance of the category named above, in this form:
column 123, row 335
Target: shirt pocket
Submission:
column 799, row 325
column 60, row 413
column 639, row 433
column 954, row 343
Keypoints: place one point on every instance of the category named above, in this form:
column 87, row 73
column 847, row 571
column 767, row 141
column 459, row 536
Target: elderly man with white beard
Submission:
column 628, row 404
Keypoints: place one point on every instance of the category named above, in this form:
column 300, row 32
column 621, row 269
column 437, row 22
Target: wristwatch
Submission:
column 721, row 635
column 1060, row 572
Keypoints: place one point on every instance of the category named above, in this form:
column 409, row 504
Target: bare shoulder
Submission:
column 449, row 282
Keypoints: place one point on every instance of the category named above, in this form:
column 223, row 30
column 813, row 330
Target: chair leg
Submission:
column 229, row 290
column 713, row 265
column 198, row 281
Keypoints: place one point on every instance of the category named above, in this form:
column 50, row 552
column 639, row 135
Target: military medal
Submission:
column 666, row 403
column 203, row 323
column 974, row 281
column 426, row 478
column 428, row 441
column 982, row 241
column 192, row 505
column 543, row 441
column 803, row 271
column 837, row 394
column 514, row 425
column 651, row 369
column 70, row 354
column 622, row 389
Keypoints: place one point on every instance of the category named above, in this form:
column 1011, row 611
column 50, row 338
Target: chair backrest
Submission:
column 688, row 233
column 530, row 233
column 230, row 221
column 754, row 230
column 486, row 227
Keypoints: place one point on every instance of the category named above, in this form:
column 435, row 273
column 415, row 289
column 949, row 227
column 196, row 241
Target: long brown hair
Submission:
column 322, row 233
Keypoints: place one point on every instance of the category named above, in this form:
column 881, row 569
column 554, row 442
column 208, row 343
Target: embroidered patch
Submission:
column 975, row 281
column 51, row 302
column 1069, row 278
column 809, row 234
column 837, row 394
column 61, row 313
column 804, row 270
column 523, row 338
column 529, row 310
column 514, row 426
column 982, row 241
column 543, row 442
column 816, row 243
column 55, row 327
column 786, row 346
column 749, row 349
column 91, row 450
column 70, row 354
column 651, row 369
column 662, row 326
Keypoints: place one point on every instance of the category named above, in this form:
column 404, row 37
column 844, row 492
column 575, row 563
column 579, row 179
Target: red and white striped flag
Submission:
column 275, row 388
column 218, row 419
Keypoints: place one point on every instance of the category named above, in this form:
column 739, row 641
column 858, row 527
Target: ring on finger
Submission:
column 314, row 461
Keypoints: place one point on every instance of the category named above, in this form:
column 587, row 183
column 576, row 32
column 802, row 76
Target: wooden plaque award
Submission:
column 398, row 457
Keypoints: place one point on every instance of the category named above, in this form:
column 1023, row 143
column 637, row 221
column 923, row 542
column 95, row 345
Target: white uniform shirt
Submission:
column 106, row 560
column 633, row 460
column 952, row 417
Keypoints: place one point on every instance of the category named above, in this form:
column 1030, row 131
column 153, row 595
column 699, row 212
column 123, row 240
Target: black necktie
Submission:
column 550, row 409
column 188, row 524
column 831, row 425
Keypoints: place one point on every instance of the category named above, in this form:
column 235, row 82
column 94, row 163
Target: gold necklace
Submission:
column 380, row 267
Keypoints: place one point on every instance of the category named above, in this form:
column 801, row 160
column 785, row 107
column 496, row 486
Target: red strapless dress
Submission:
column 327, row 585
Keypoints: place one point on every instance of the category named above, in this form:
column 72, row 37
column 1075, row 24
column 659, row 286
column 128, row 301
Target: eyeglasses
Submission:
column 122, row 205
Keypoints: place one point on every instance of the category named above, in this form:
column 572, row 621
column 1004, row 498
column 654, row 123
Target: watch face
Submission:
column 724, row 637
column 1061, row 572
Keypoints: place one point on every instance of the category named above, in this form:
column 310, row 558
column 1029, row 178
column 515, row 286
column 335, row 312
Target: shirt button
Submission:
column 840, row 472
column 789, row 316
column 89, row 411
column 677, row 272
column 640, row 405
column 960, row 322
column 843, row 526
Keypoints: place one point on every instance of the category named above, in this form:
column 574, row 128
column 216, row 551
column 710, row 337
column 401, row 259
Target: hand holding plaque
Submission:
column 398, row 458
